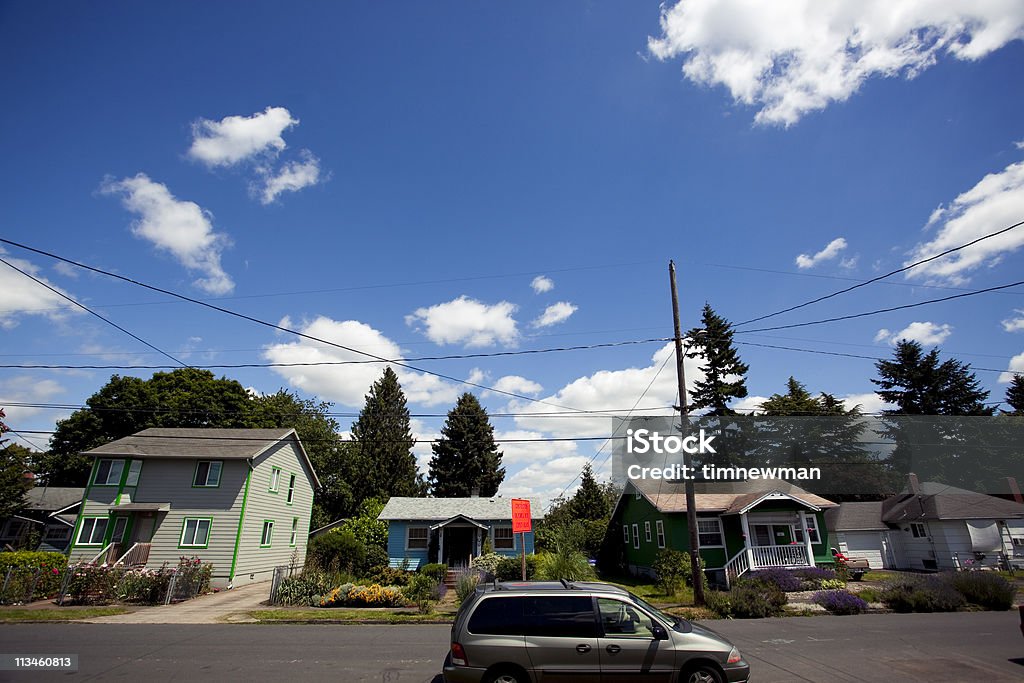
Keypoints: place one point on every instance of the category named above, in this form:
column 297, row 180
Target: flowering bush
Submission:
column 755, row 599
column 91, row 584
column 839, row 602
column 349, row 595
column 487, row 563
column 32, row 575
column 984, row 589
column 922, row 594
column 785, row 580
column 815, row 577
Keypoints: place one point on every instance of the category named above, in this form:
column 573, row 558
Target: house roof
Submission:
column 200, row 442
column 939, row 501
column 49, row 498
column 723, row 497
column 441, row 509
column 856, row 516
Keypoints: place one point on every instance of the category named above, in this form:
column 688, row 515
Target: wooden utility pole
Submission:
column 684, row 427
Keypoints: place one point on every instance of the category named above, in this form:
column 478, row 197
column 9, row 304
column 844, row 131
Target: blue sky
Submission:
column 396, row 178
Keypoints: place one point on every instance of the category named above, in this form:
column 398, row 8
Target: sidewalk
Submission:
column 206, row 609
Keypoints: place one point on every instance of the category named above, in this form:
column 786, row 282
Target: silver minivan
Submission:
column 553, row 632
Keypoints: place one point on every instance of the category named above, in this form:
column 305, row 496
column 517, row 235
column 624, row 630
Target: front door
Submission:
column 459, row 544
column 772, row 534
column 143, row 531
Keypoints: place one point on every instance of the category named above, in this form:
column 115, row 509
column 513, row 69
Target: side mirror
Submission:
column 659, row 632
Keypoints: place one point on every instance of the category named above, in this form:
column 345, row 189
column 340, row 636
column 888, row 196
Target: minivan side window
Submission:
column 563, row 616
column 498, row 617
column 619, row 619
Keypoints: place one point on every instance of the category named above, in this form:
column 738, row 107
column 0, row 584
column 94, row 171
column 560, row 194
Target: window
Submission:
column 625, row 533
column 195, row 533
column 295, row 530
column 207, row 474
column 93, row 530
column 636, row 537
column 619, row 619
column 108, row 473
column 275, row 479
column 918, row 530
column 647, row 532
column 660, row 528
column 57, row 533
column 709, row 532
column 549, row 615
column 120, row 524
column 498, row 616
column 268, row 533
column 812, row 530
column 291, row 489
column 416, row 538
column 1018, row 541
column 504, row 539
column 133, row 473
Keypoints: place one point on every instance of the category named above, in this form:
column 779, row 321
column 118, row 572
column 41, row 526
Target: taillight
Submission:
column 459, row 655
column 734, row 656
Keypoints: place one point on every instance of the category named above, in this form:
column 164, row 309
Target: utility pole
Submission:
column 684, row 427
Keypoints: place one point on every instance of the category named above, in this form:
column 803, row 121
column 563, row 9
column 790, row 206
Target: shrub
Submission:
column 438, row 572
column 424, row 590
column 984, row 589
column 143, row 585
column 832, row 584
column 337, row 549
column 304, row 588
column 36, row 574
column 914, row 594
column 349, row 595
column 487, row 563
column 365, row 526
column 756, row 599
column 375, row 559
column 719, row 603
column 389, row 576
column 675, row 567
column 571, row 566
column 785, row 580
column 466, row 581
column 839, row 602
column 869, row 595
column 511, row 568
column 812, row 578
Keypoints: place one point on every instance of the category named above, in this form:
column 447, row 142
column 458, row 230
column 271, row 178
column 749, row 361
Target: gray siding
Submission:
column 256, row 563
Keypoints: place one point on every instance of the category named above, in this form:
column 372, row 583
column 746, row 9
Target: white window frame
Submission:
column 275, row 480
column 267, row 534
column 718, row 524
column 918, row 530
column 636, row 537
column 295, row 531
column 659, row 527
column 409, row 539
column 647, row 532
column 107, row 480
column 812, row 530
column 195, row 531
column 92, row 530
column 209, row 469
column 508, row 543
column 291, row 489
column 625, row 533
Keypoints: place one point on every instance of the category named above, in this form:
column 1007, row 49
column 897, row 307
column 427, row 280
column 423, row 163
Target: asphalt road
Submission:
column 884, row 647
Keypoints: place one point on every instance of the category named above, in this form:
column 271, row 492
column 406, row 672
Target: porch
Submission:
column 774, row 538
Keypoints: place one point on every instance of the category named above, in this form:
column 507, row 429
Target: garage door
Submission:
column 863, row 544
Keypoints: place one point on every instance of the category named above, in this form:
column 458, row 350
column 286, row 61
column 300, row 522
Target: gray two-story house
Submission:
column 239, row 499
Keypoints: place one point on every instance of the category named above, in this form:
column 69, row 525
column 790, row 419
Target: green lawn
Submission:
column 652, row 592
column 354, row 616
column 10, row 615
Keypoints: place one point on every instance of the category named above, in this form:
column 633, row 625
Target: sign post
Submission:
column 521, row 525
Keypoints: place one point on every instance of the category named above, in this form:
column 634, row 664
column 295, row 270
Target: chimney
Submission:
column 474, row 492
column 915, row 485
column 1015, row 490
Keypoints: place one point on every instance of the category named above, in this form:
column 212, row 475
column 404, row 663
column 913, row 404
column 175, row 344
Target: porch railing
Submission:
column 779, row 556
column 136, row 556
column 736, row 567
column 97, row 556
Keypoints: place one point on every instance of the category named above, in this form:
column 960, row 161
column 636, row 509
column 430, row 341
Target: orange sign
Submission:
column 520, row 515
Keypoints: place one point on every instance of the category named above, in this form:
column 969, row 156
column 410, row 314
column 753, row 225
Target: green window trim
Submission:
column 275, row 480
column 210, row 468
column 108, row 481
column 184, row 529
column 92, row 531
column 267, row 534
column 81, row 510
column 295, row 529
column 290, row 500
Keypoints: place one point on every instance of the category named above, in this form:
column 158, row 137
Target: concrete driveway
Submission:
column 206, row 609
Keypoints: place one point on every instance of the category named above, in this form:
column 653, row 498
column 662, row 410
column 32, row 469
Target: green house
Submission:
column 742, row 525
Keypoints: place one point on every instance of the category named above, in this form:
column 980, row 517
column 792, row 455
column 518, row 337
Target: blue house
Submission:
column 451, row 530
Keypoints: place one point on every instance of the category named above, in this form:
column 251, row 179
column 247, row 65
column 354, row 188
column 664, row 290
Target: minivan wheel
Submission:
column 506, row 675
column 702, row 673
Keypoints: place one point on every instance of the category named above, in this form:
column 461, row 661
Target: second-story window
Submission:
column 207, row 474
column 108, row 473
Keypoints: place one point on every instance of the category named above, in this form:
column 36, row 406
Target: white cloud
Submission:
column 1019, row 144
column 67, row 270
column 555, row 313
column 23, row 296
column 25, row 389
column 348, row 384
column 870, row 404
column 542, row 284
column 291, row 177
column 797, row 56
column 749, row 404
column 1016, row 367
column 924, row 333
column 831, row 250
column 237, row 138
column 517, row 385
column 997, row 201
column 179, row 227
column 518, row 447
column 1015, row 324
column 544, row 480
column 468, row 321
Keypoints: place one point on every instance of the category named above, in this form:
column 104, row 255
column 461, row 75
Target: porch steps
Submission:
column 450, row 578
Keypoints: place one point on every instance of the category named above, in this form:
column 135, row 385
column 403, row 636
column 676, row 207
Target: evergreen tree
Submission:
column 1015, row 395
column 724, row 373
column 466, row 457
column 380, row 463
column 590, row 502
column 920, row 383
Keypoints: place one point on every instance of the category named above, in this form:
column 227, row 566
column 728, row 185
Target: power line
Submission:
column 91, row 312
column 882, row 277
column 280, row 327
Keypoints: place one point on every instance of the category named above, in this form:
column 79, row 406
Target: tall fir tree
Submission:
column 466, row 456
column 919, row 383
column 724, row 372
column 1015, row 395
column 798, row 401
column 590, row 502
column 380, row 462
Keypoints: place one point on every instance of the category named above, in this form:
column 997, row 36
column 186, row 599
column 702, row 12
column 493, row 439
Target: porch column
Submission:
column 807, row 538
column 746, row 540
column 440, row 546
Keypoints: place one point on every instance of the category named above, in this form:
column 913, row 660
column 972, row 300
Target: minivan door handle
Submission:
column 582, row 649
column 613, row 649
